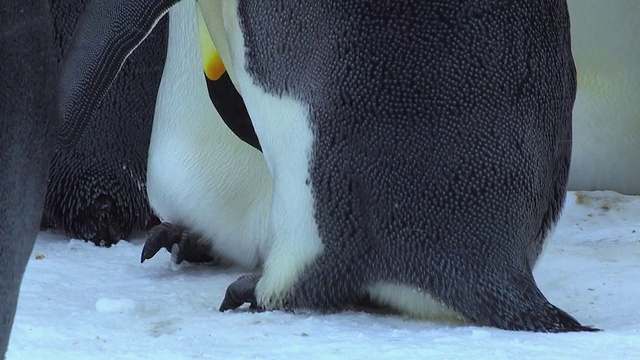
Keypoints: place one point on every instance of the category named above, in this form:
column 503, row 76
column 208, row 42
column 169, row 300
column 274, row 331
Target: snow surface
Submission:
column 79, row 301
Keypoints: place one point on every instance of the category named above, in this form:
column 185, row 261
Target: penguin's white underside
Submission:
column 200, row 175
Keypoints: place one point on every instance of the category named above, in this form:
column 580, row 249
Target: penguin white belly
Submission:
column 201, row 175
column 283, row 126
column 606, row 115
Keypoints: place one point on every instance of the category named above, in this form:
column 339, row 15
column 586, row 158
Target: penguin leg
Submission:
column 190, row 247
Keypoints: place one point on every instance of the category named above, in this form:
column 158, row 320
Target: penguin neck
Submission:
column 213, row 13
column 185, row 117
column 184, row 108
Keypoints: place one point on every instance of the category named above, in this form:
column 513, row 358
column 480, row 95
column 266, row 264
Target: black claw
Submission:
column 191, row 248
column 184, row 247
column 162, row 236
column 241, row 291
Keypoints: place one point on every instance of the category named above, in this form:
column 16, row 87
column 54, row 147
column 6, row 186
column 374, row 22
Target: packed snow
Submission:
column 79, row 301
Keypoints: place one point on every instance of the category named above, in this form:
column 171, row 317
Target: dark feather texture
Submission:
column 442, row 139
column 97, row 185
column 27, row 115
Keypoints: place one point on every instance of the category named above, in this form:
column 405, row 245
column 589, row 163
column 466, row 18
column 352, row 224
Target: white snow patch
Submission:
column 107, row 305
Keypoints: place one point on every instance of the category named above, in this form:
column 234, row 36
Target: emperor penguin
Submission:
column 426, row 178
column 211, row 189
column 27, row 117
column 96, row 189
column 606, row 126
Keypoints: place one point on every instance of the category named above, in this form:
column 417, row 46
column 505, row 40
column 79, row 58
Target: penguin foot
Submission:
column 166, row 235
column 242, row 291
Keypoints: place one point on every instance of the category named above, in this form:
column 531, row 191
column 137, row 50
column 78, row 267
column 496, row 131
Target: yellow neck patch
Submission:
column 211, row 61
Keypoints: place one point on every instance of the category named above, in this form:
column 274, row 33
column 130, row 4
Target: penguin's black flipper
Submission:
column 241, row 291
column 190, row 246
column 232, row 110
column 107, row 33
column 223, row 93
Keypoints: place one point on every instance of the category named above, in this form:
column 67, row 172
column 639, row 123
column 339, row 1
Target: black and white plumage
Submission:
column 27, row 116
column 97, row 187
column 419, row 149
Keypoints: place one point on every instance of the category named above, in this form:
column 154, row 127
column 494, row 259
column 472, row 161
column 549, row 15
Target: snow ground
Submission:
column 79, row 301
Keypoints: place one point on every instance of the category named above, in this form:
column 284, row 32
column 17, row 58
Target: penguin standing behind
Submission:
column 606, row 125
column 425, row 178
column 27, row 115
column 96, row 189
column 212, row 189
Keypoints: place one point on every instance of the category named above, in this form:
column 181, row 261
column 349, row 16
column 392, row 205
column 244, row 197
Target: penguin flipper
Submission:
column 223, row 93
column 241, row 291
column 232, row 110
column 190, row 247
column 108, row 32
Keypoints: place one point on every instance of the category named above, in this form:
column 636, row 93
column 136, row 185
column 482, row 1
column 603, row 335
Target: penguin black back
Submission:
column 27, row 115
column 442, row 139
column 97, row 187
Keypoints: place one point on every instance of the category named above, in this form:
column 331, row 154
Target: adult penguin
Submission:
column 426, row 178
column 96, row 189
column 211, row 189
column 27, row 113
column 606, row 126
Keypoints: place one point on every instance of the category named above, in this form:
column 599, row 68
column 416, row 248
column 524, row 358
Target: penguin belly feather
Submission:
column 200, row 175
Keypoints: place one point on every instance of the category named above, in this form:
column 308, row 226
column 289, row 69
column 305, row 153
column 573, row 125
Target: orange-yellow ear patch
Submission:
column 211, row 61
